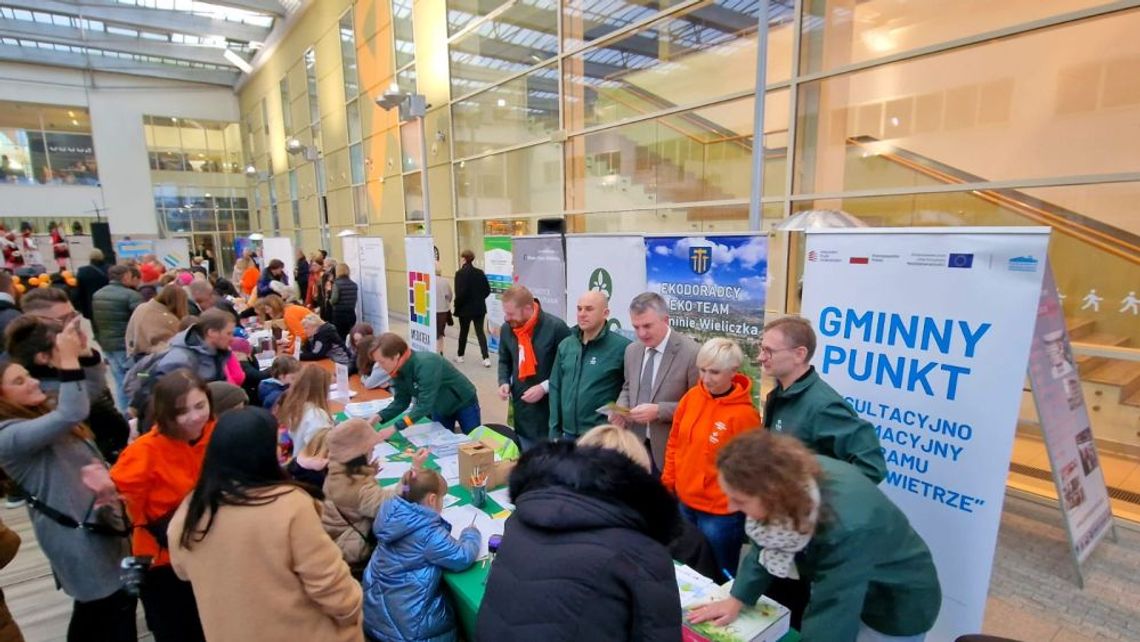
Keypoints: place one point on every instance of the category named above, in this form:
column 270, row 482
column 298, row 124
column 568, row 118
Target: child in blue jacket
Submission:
column 403, row 601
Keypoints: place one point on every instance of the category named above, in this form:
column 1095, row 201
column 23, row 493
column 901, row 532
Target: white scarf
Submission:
column 779, row 541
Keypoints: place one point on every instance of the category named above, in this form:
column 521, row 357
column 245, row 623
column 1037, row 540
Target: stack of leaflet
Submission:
column 767, row 621
column 441, row 441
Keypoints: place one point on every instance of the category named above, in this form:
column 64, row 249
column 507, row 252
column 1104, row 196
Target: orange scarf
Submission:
column 525, row 335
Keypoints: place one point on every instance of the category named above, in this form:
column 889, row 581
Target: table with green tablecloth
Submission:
column 467, row 587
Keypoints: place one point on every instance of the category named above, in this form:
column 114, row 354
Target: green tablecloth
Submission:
column 467, row 587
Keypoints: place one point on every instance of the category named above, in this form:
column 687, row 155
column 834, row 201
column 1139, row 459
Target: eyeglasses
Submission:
column 65, row 319
column 767, row 353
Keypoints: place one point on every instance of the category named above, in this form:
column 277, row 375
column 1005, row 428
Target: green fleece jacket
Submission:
column 814, row 412
column 437, row 386
column 864, row 563
column 585, row 378
column 531, row 419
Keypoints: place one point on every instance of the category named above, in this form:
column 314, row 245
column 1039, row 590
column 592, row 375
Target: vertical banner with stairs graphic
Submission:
column 498, row 266
column 612, row 264
column 1065, row 423
column 421, row 292
column 926, row 332
column 541, row 266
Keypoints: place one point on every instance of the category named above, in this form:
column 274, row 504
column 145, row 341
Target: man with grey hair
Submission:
column 660, row 367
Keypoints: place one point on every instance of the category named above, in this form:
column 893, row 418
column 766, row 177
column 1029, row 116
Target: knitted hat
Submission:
column 185, row 278
column 238, row 344
column 226, row 396
column 351, row 439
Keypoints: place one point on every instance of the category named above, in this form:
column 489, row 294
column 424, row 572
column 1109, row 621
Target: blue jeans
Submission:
column 467, row 417
column 725, row 534
column 119, row 364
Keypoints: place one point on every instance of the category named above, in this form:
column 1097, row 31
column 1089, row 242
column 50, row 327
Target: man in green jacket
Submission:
column 441, row 392
column 804, row 406
column 588, row 371
column 528, row 343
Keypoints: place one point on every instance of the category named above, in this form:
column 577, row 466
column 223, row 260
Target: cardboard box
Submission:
column 474, row 456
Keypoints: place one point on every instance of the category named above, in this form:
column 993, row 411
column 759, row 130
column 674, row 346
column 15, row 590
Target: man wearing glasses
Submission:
column 803, row 405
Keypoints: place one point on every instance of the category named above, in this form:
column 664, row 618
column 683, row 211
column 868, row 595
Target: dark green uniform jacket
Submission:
column 585, row 378
column 814, row 412
column 531, row 419
column 864, row 562
column 436, row 385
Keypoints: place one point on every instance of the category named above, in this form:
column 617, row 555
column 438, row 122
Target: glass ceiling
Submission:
column 162, row 33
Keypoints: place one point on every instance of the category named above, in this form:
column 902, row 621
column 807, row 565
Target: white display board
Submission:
column 173, row 253
column 79, row 246
column 279, row 247
column 421, row 292
column 926, row 332
column 1065, row 424
column 373, row 283
column 612, row 264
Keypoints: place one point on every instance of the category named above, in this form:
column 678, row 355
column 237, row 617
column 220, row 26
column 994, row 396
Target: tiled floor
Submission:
column 1119, row 472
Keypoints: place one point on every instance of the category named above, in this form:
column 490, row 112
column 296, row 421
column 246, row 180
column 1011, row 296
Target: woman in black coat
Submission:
column 471, row 292
column 344, row 295
column 585, row 555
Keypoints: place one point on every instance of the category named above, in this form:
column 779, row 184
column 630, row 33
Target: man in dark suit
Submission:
column 528, row 345
column 91, row 278
column 660, row 367
column 471, row 292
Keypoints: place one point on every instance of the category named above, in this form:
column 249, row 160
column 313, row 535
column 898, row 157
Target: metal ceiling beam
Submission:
column 126, row 44
column 153, row 19
column 270, row 7
column 37, row 56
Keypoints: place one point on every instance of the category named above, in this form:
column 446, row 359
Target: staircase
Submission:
column 1113, row 380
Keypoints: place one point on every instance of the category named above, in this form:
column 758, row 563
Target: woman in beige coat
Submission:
column 251, row 544
column 155, row 322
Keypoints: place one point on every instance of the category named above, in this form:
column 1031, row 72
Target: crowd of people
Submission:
column 163, row 463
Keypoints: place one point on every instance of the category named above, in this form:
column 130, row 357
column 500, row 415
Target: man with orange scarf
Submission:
column 528, row 344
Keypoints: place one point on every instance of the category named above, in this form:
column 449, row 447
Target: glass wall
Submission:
column 46, row 145
column 638, row 116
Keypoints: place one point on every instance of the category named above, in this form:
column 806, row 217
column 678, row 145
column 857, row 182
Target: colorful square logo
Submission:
column 419, row 297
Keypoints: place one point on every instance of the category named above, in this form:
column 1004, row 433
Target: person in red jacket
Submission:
column 710, row 414
column 153, row 475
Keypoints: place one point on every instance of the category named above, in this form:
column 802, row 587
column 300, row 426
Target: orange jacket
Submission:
column 701, row 425
column 294, row 315
column 249, row 280
column 154, row 474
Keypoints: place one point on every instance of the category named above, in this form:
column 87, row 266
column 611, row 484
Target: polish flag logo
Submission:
column 859, row 260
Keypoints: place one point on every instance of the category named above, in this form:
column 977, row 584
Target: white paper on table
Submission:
column 383, row 450
column 422, row 429
column 694, row 588
column 449, row 469
column 450, row 500
column 460, row 517
column 443, row 444
column 393, row 469
column 502, row 497
column 342, row 379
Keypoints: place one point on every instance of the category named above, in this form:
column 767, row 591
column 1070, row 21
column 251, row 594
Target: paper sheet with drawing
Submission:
column 460, row 517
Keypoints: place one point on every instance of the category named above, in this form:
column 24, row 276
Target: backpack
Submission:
column 138, row 381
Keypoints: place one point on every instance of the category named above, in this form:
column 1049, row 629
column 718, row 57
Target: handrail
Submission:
column 1105, row 351
column 1112, row 244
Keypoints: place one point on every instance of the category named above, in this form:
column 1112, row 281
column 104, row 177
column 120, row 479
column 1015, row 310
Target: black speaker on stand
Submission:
column 101, row 238
column 551, row 226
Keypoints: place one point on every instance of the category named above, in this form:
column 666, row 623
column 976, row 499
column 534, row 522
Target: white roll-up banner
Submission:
column 612, row 264
column 421, row 292
column 926, row 333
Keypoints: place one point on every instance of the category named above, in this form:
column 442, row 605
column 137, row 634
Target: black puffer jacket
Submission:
column 584, row 557
column 345, row 293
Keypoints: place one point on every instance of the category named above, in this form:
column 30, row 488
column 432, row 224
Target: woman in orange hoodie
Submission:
column 154, row 474
column 707, row 417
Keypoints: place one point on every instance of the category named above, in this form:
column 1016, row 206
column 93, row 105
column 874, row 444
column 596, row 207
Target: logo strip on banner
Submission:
column 936, row 362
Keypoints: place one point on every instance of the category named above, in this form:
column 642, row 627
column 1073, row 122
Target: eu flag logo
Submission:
column 961, row 261
column 700, row 259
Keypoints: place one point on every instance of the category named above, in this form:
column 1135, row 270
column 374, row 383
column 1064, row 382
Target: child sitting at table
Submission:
column 372, row 374
column 403, row 600
column 282, row 373
column 304, row 408
column 352, row 496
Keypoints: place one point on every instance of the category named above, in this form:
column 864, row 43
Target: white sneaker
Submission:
column 458, row 359
column 486, row 363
